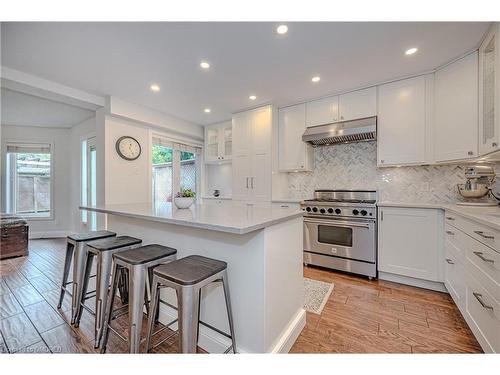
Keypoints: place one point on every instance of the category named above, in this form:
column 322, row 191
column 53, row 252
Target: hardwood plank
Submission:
column 52, row 297
column 63, row 339
column 27, row 295
column 43, row 284
column 36, row 348
column 43, row 316
column 15, row 280
column 9, row 306
column 18, row 332
column 4, row 289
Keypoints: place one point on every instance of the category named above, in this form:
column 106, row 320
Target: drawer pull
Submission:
column 479, row 298
column 450, row 218
column 449, row 261
column 481, row 233
column 480, row 256
column 450, row 233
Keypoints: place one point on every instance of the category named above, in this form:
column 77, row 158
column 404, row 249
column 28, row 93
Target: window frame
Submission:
column 176, row 163
column 10, row 184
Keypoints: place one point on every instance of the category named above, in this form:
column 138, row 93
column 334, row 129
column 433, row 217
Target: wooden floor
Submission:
column 360, row 316
column 363, row 316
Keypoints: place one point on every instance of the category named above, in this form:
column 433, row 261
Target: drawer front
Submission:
column 286, row 205
column 484, row 313
column 455, row 279
column 455, row 241
column 483, row 263
column 483, row 234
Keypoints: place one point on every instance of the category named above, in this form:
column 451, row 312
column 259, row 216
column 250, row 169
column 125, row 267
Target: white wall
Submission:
column 219, row 177
column 61, row 224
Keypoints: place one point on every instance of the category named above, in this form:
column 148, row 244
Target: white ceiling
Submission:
column 123, row 59
column 27, row 110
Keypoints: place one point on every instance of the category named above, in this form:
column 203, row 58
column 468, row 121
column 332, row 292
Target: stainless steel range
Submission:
column 340, row 230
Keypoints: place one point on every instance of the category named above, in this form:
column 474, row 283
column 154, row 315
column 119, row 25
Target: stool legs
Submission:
column 102, row 285
column 85, row 285
column 225, row 285
column 188, row 318
column 136, row 306
column 67, row 265
column 78, row 271
column 153, row 307
column 109, row 308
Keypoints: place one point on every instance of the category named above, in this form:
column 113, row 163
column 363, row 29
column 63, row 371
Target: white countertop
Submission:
column 485, row 215
column 233, row 217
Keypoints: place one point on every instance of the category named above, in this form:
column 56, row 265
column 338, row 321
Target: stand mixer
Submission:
column 477, row 187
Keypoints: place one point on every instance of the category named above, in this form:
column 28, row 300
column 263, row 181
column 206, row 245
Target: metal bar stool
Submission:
column 76, row 253
column 188, row 276
column 139, row 263
column 103, row 250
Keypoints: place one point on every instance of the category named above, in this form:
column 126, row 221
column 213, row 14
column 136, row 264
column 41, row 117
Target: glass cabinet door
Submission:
column 212, row 152
column 228, row 142
column 488, row 67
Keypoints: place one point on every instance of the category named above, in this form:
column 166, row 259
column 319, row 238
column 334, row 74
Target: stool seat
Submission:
column 145, row 254
column 114, row 243
column 89, row 236
column 190, row 270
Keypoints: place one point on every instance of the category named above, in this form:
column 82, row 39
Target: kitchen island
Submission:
column 262, row 246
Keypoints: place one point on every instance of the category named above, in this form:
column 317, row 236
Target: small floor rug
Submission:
column 316, row 294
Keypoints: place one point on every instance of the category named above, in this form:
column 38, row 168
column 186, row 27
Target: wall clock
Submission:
column 128, row 148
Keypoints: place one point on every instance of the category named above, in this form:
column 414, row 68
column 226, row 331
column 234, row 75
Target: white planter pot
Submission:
column 183, row 202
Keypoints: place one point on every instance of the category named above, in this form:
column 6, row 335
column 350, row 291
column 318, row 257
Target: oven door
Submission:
column 347, row 239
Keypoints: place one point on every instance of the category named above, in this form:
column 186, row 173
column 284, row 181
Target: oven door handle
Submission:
column 335, row 223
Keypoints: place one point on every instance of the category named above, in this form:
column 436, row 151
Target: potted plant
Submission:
column 184, row 198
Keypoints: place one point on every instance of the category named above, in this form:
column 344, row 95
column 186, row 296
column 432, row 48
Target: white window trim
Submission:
column 84, row 137
column 8, row 178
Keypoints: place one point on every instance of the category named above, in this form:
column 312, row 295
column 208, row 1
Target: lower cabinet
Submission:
column 410, row 242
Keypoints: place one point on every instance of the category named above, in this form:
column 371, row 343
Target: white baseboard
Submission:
column 291, row 333
column 49, row 234
column 426, row 284
column 213, row 342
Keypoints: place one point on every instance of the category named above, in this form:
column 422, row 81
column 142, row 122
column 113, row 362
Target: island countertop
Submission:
column 234, row 217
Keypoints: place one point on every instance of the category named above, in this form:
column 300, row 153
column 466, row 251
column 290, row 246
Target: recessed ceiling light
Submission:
column 207, row 110
column 154, row 87
column 252, row 97
column 282, row 29
column 411, row 51
column 315, row 79
column 204, row 65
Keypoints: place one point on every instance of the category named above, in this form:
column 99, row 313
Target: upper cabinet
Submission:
column 402, row 126
column 358, row 104
column 218, row 142
column 294, row 154
column 489, row 91
column 455, row 110
column 350, row 106
column 322, row 111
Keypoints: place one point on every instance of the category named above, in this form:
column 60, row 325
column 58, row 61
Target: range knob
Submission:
column 363, row 212
column 315, row 209
column 308, row 209
column 355, row 212
column 337, row 211
column 322, row 210
column 330, row 210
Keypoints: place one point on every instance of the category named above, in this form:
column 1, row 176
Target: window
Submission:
column 175, row 167
column 29, row 171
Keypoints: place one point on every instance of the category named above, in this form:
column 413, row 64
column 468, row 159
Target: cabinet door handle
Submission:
column 450, row 232
column 494, row 144
column 247, row 182
column 449, row 261
column 470, row 153
column 481, row 233
column 381, row 215
column 480, row 256
column 382, row 161
column 450, row 218
column 479, row 298
column 341, row 117
column 251, row 182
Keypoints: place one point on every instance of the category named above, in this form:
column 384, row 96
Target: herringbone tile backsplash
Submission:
column 354, row 166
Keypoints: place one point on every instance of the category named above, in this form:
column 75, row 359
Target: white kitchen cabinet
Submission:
column 402, row 126
column 218, row 142
column 322, row 111
column 252, row 131
column 489, row 91
column 410, row 242
column 294, row 154
column 358, row 104
column 455, row 110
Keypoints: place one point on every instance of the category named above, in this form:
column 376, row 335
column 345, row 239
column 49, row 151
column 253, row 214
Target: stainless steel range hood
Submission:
column 359, row 130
